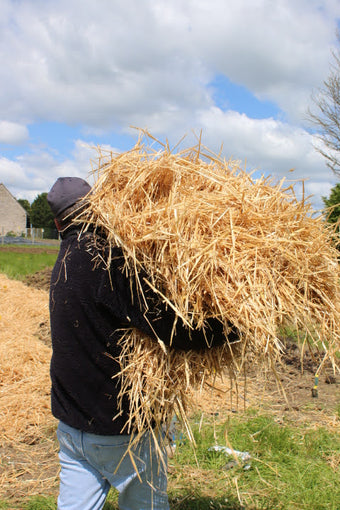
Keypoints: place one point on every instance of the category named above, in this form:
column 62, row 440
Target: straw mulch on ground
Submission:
column 25, row 414
column 215, row 243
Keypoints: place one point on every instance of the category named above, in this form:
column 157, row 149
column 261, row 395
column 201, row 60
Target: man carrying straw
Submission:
column 93, row 304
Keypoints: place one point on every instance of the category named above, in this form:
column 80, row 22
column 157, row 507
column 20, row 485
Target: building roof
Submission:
column 11, row 197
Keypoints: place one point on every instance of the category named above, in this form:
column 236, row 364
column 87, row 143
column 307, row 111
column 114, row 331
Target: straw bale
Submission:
column 216, row 243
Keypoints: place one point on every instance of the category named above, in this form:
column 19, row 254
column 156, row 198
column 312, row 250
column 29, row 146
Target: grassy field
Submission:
column 289, row 467
column 17, row 262
column 292, row 465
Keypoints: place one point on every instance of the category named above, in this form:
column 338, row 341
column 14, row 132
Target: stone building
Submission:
column 12, row 214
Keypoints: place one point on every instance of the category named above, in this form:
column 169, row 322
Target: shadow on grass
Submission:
column 192, row 502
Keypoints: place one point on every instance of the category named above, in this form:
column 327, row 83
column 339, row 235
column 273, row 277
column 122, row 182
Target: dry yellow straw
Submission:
column 24, row 368
column 29, row 463
column 215, row 243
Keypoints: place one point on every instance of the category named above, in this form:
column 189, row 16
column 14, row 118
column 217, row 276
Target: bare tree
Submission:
column 327, row 115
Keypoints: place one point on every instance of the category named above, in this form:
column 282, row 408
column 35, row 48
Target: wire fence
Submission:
column 32, row 235
column 41, row 233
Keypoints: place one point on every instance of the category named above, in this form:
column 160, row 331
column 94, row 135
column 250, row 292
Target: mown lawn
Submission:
column 17, row 262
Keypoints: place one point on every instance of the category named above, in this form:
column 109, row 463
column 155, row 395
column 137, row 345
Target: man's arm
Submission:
column 134, row 302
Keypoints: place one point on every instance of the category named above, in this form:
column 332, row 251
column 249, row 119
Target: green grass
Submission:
column 40, row 503
column 18, row 265
column 291, row 467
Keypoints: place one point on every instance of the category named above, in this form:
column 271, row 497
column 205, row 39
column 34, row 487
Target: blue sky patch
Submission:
column 61, row 137
column 230, row 96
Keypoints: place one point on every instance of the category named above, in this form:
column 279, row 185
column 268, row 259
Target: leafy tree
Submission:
column 41, row 214
column 326, row 117
column 334, row 202
column 27, row 206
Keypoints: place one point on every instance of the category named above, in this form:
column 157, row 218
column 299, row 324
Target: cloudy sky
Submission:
column 75, row 74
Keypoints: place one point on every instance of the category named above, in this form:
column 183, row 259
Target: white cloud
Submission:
column 278, row 49
column 115, row 63
column 11, row 172
column 104, row 65
column 12, row 133
column 266, row 144
column 34, row 173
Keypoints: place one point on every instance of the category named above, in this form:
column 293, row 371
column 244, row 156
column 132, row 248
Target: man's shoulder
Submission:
column 88, row 245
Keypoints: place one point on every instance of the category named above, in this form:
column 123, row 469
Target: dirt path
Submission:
column 30, row 249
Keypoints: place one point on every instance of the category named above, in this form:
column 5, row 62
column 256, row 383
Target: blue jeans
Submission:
column 91, row 464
